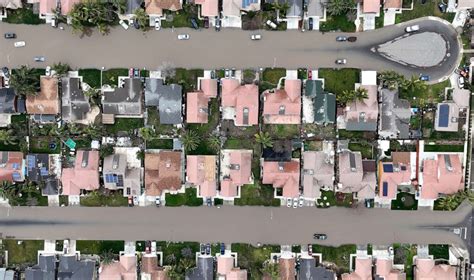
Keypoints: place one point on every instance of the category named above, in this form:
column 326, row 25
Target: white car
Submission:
column 412, row 28
column 157, row 24
column 183, row 37
column 271, row 24
column 256, row 37
column 123, row 24
column 135, row 200
column 153, row 246
column 461, row 82
column 19, row 44
column 48, row 71
column 301, row 202
column 289, row 202
column 295, row 202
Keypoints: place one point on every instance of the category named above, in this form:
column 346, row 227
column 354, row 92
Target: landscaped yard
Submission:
column 42, row 145
column 19, row 125
column 23, row 16
column 124, row 125
column 189, row 198
column 90, row 77
column 337, row 23
column 177, row 249
column 160, row 144
column 439, row 251
column 97, row 247
column 182, row 18
column 252, row 258
column 444, row 148
column 430, row 8
column 154, row 120
column 405, row 201
column 204, row 131
column 186, row 78
column 404, row 254
column 330, row 198
column 366, row 149
column 337, row 81
column 110, row 77
column 29, row 197
column 355, row 135
column 95, row 199
column 340, row 256
column 283, row 131
column 431, row 95
column 23, row 254
column 257, row 194
column 273, row 75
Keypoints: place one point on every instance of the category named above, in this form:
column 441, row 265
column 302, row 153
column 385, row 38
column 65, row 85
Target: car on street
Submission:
column 148, row 247
column 157, row 24
column 208, row 249
column 289, row 202
column 271, row 24
column 19, row 44
column 310, row 249
column 10, row 35
column 48, row 71
column 424, row 78
column 194, row 24
column 183, row 37
column 320, row 236
column 202, row 249
column 130, row 201
column 124, row 24
column 295, row 202
column 222, row 249
column 206, row 22
column 341, row 61
column 135, row 200
column 461, row 82
column 255, row 37
column 301, row 201
column 412, row 28
column 39, row 58
column 341, row 38
column 6, row 72
column 310, row 23
column 158, row 201
column 352, row 39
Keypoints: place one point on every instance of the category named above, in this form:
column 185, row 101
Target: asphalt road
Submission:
column 208, row 49
column 270, row 225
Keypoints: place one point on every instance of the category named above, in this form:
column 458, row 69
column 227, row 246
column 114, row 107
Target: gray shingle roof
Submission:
column 7, row 100
column 75, row 105
column 395, row 115
column 72, row 269
column 203, row 271
column 168, row 98
column 309, row 271
column 324, row 108
column 45, row 270
column 126, row 100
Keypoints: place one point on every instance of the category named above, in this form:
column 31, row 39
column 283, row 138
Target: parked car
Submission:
column 130, row 72
column 310, row 74
column 209, row 201
column 368, row 203
column 135, row 24
column 6, row 72
column 135, row 200
column 227, row 73
column 320, row 236
column 461, row 82
column 39, row 58
column 10, row 35
column 310, row 23
column 295, row 202
column 136, row 73
column 341, row 61
column 442, row 7
column 147, row 247
column 222, row 248
column 206, row 22
column 19, row 44
column 310, row 249
column 153, row 246
column 208, row 249
column 289, row 202
column 194, row 23
column 124, row 24
column 255, row 37
column 157, row 24
column 271, row 24
column 218, row 23
column 203, row 249
column 352, row 39
column 130, row 201
column 341, row 38
column 424, row 77
column 183, row 37
column 412, row 28
column 158, row 201
column 233, row 71
column 48, row 71
column 301, row 201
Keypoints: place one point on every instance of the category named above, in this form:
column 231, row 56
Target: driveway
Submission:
column 208, row 49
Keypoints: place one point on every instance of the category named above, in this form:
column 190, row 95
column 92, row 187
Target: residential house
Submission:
column 163, row 172
column 362, row 115
column 123, row 101
column 317, row 11
column 371, row 6
column 201, row 172
column 395, row 116
column 283, row 106
column 282, row 175
column 396, row 175
column 11, row 4
column 227, row 268
column 167, row 98
column 447, row 117
column 442, row 174
column 428, row 269
column 10, row 104
column 75, row 104
column 204, row 269
column 45, row 269
column 83, row 176
column 232, row 9
column 465, row 4
column 7, row 274
column 368, row 10
column 318, row 106
column 294, row 13
column 155, row 8
column 44, row 106
column 363, row 269
column 310, row 271
column 43, row 169
column 47, row 8
column 151, row 270
column 197, row 102
column 125, row 268
column 12, row 167
column 239, row 102
column 118, row 174
column 132, row 6
column 318, row 172
column 384, row 270
column 286, row 265
column 281, row 150
column 356, row 175
column 394, row 6
column 66, row 267
column 209, row 8
column 236, row 171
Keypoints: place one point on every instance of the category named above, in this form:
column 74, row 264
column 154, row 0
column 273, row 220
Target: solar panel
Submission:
column 388, row 168
column 16, row 176
column 16, row 166
column 385, row 189
column 44, row 171
column 443, row 119
column 31, row 161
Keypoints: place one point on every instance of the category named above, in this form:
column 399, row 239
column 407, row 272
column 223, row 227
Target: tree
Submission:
column 171, row 259
column 106, row 150
column 24, row 81
column 93, row 95
column 61, row 69
column 73, row 129
column 7, row 190
column 339, row 7
column 413, row 85
column 6, row 136
column 107, row 257
column 348, row 96
column 119, row 5
column 264, row 139
column 140, row 155
column 142, row 19
column 186, row 264
column 93, row 131
column 452, row 201
column 390, row 79
column 271, row 269
column 214, row 142
column 147, row 133
column 174, row 273
column 167, row 70
column 187, row 252
column 190, row 140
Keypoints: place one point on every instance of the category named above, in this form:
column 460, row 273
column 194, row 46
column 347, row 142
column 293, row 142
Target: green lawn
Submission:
column 160, row 144
column 176, row 249
column 430, row 8
column 33, row 198
column 273, row 75
column 97, row 247
column 24, row 254
column 154, row 120
column 444, row 148
column 337, row 23
column 404, row 254
column 41, row 145
column 110, row 77
column 124, row 125
column 337, row 81
column 186, row 78
column 405, row 201
column 19, row 124
column 257, row 194
column 96, row 199
column 204, row 131
column 189, row 198
column 335, row 199
column 340, row 256
column 439, row 251
column 90, row 77
column 355, row 135
column 282, row 131
column 252, row 258
column 23, row 16
column 366, row 149
column 431, row 95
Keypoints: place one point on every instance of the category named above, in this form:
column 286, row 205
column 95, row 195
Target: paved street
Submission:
column 208, row 49
column 234, row 224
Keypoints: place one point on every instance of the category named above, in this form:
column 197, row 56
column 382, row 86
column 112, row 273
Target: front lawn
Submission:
column 96, row 247
column 187, row 78
column 337, row 23
column 90, row 77
column 23, row 16
column 29, row 196
column 330, row 198
column 273, row 75
column 41, row 145
column 96, row 199
column 124, row 125
column 189, row 198
column 252, row 258
column 182, row 18
column 173, row 252
column 23, row 254
column 405, row 201
column 431, row 95
column 257, row 194
column 337, row 81
column 439, row 252
column 430, row 8
column 110, row 77
column 340, row 256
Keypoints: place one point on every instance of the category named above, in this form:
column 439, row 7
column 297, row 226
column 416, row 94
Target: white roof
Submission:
column 369, row 78
column 467, row 4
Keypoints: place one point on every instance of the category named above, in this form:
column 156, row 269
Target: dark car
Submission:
column 222, row 248
column 206, row 22
column 10, row 35
column 208, row 249
column 6, row 72
column 218, row 24
column 424, row 77
column 341, row 38
column 203, row 249
column 310, row 249
column 352, row 39
column 136, row 24
column 310, row 23
column 442, row 7
column 209, row 201
column 194, row 23
column 136, row 73
column 320, row 236
column 130, row 201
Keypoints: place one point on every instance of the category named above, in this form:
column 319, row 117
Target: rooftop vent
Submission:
column 352, row 162
column 280, row 166
column 85, row 159
column 447, row 161
column 281, row 110
column 115, row 161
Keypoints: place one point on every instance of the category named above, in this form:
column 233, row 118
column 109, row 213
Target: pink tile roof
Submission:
column 81, row 176
column 322, row 173
column 224, row 264
column 209, row 8
column 241, row 98
column 384, row 268
column 150, row 266
column 427, row 270
column 439, row 178
column 163, row 171
column 14, row 164
column 240, row 171
column 156, row 7
column 393, row 179
column 47, row 6
column 237, row 274
column 371, row 6
column 369, row 106
column 363, row 270
column 124, row 269
column 283, row 106
column 392, row 4
column 209, row 87
column 287, row 268
column 347, row 175
column 284, row 175
column 201, row 171
column 67, row 5
column 197, row 107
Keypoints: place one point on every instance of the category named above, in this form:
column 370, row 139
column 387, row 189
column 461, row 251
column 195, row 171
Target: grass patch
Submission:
column 404, row 254
column 23, row 16
column 365, row 148
column 96, row 247
column 257, row 194
column 41, row 145
column 283, row 131
column 124, row 125
column 96, row 199
column 23, row 254
column 110, row 77
column 19, row 124
column 176, row 250
column 29, row 198
column 439, row 251
column 405, row 201
column 352, row 135
column 430, row 8
column 337, row 23
column 340, row 256
column 187, row 78
column 379, row 20
column 90, row 77
column 189, row 198
column 431, row 95
column 157, row 143
column 154, row 120
column 273, row 75
column 337, row 81
column 252, row 258
column 444, row 148
column 10, row 147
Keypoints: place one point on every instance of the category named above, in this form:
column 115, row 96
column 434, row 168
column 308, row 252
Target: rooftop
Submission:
column 75, row 105
column 201, row 172
column 443, row 175
column 240, row 102
column 285, row 175
column 163, row 171
column 318, row 171
column 283, row 106
column 45, row 102
column 11, row 167
column 125, row 99
column 394, row 116
column 236, row 170
column 447, row 115
column 84, row 175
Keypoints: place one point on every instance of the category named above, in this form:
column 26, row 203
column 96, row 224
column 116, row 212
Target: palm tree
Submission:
column 93, row 131
column 264, row 139
column 7, row 190
column 120, row 5
column 107, row 257
column 271, row 269
column 339, row 7
column 190, row 140
column 103, row 28
column 348, row 96
column 61, row 69
column 6, row 136
column 186, row 264
column 147, row 133
column 413, row 86
column 73, row 129
column 24, row 81
column 142, row 19
column 449, row 202
column 174, row 273
column 214, row 142
column 390, row 79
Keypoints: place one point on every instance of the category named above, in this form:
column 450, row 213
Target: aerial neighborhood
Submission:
column 354, row 165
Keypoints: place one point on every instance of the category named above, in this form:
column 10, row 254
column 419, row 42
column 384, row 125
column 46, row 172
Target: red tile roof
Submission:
column 162, row 172
column 283, row 106
column 13, row 164
column 441, row 178
column 83, row 176
column 284, row 175
column 241, row 98
column 201, row 172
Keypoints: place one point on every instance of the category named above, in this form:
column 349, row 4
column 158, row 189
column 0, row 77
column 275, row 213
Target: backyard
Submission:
column 338, row 81
column 22, row 253
column 444, row 148
column 364, row 147
column 340, row 256
column 205, row 130
column 154, row 120
column 158, row 143
column 45, row 145
column 189, row 198
column 252, row 258
column 282, row 131
column 124, row 125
